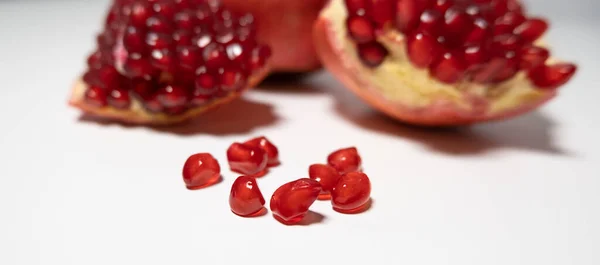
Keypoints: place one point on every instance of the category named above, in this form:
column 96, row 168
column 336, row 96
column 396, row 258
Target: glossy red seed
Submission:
column 95, row 96
column 237, row 53
column 269, row 148
column 408, row 13
column 141, row 68
column 506, row 42
column 156, row 41
column 507, row 23
column 94, row 60
column 134, row 40
column 188, row 57
column 480, row 32
column 107, row 77
column 381, row 11
column 201, row 170
column 258, row 58
column 215, row 55
column 245, row 198
column 345, row 160
column 159, row 24
column 182, row 38
column 119, row 98
column 140, row 12
column 457, row 25
column 431, row 22
column 498, row 8
column 533, row 56
column 422, row 49
column 351, row 192
column 172, row 96
column 290, row 202
column 246, row 160
column 164, row 60
column 372, row 54
column 326, row 175
column 231, row 78
column 475, row 55
column 186, row 20
column 442, row 5
column 552, row 76
column 356, row 7
column 360, row 29
column 532, row 29
column 449, row 68
column 165, row 8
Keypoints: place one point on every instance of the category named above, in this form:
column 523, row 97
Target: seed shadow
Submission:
column 366, row 207
column 238, row 117
column 312, row 218
column 258, row 214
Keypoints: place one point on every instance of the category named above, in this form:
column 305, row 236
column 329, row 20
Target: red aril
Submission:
column 269, row 148
column 326, row 175
column 245, row 198
column 247, row 160
column 351, row 192
column 345, row 160
column 290, row 202
column 201, row 170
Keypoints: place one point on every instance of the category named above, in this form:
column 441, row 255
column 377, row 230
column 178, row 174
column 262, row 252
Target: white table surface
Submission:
column 524, row 191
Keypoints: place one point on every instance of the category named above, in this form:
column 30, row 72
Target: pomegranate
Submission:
column 201, row 170
column 326, row 175
column 166, row 61
column 351, row 193
column 440, row 62
column 345, row 160
column 245, row 198
column 268, row 147
column 247, row 160
column 287, row 27
column 291, row 201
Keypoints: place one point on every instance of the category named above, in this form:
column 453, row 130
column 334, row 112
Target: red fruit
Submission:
column 290, row 202
column 345, row 160
column 326, row 175
column 442, row 63
column 201, row 170
column 247, row 160
column 245, row 198
column 164, row 43
column 351, row 192
column 269, row 148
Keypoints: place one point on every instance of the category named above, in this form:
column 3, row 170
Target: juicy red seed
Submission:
column 164, row 60
column 381, row 11
column 232, row 79
column 475, row 55
column 431, row 22
column 201, row 170
column 156, row 41
column 507, row 23
column 372, row 54
column 269, row 148
column 498, row 7
column 552, row 76
column 326, row 175
column 202, row 40
column 165, row 8
column 140, row 12
column 106, row 40
column 514, row 6
column 351, row 192
column 204, row 15
column 188, row 57
column 442, row 5
column 480, row 33
column 134, row 40
column 159, row 24
column 186, row 20
column 533, row 56
column 182, row 38
column 245, row 198
column 422, row 49
column 291, row 201
column 107, row 77
column 172, row 96
column 119, row 98
column 214, row 55
column 531, row 29
column 506, row 42
column 345, row 160
column 408, row 13
column 94, row 60
column 205, row 85
column 510, row 69
column 237, row 53
column 457, row 25
column 449, row 68
column 356, row 7
column 246, row 160
column 360, row 29
column 135, row 67
column 95, row 96
column 258, row 58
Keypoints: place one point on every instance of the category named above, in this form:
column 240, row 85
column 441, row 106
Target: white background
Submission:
column 524, row 191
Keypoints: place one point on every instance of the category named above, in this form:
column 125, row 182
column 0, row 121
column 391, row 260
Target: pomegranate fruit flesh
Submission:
column 290, row 202
column 245, row 198
column 166, row 61
column 440, row 62
column 201, row 170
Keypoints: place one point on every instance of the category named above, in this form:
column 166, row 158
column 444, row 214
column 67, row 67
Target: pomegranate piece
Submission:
column 290, row 202
column 169, row 44
column 351, row 192
column 269, row 148
column 247, row 160
column 345, row 160
column 326, row 175
column 245, row 198
column 201, row 170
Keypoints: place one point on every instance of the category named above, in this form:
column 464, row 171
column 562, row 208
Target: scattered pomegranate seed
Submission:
column 372, row 54
column 247, row 160
column 351, row 193
column 531, row 29
column 326, row 175
column 96, row 96
column 450, row 68
column 422, row 49
column 291, row 201
column 360, row 29
column 345, row 160
column 269, row 148
column 552, row 76
column 201, row 170
column 245, row 198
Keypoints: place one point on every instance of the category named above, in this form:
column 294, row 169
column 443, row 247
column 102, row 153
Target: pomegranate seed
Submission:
column 258, row 58
column 202, row 40
column 506, row 42
column 507, row 23
column 188, row 57
column 442, row 5
column 422, row 49
column 474, row 55
column 431, row 22
column 205, row 88
column 457, row 25
column 119, row 98
column 165, row 8
column 326, row 175
column 106, row 40
column 95, row 96
column 107, row 77
column 533, row 56
column 94, row 60
column 133, row 40
column 245, row 198
column 269, row 148
column 156, row 41
column 164, row 60
column 514, row 6
column 498, row 8
column 490, row 70
column 356, row 7
column 140, row 12
column 531, row 29
column 141, row 67
column 449, row 69
column 360, row 29
column 236, row 53
column 372, row 54
column 480, row 33
column 215, row 56
column 232, row 79
column 381, row 11
column 186, row 20
column 408, row 13
column 351, row 193
column 159, row 24
column 345, row 160
column 172, row 96
column 510, row 69
column 182, row 38
column 201, row 170
column 247, row 160
column 552, row 76
column 291, row 201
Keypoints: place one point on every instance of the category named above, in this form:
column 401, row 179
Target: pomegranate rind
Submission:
column 137, row 114
column 439, row 112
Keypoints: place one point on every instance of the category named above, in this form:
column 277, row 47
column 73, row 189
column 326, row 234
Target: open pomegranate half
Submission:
column 440, row 62
column 166, row 61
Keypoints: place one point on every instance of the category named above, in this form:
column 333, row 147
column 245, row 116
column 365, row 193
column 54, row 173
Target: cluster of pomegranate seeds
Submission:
column 172, row 55
column 253, row 156
column 201, row 170
column 482, row 41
